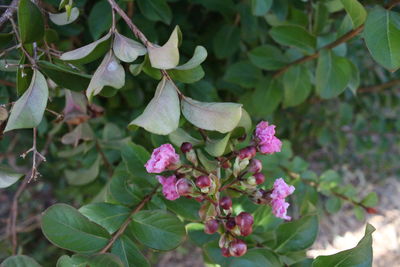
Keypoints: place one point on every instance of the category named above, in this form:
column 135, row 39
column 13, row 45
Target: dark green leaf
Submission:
column 243, row 74
column 333, row 204
column 99, row 20
column 268, row 57
column 297, row 85
column 256, row 257
column 19, row 261
column 187, row 76
column 226, row 41
column 185, row 207
column 360, row 256
column 65, row 227
column 293, row 35
column 135, row 156
column 129, row 253
column 260, row 7
column 6, row 39
column 157, row 229
column 156, row 10
column 30, row 22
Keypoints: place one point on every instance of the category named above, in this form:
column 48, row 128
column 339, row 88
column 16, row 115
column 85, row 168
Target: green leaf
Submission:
column 217, row 148
column 382, row 36
column 297, row 85
column 96, row 260
column 297, row 235
column 371, row 200
column 63, row 18
column 187, row 76
column 100, row 18
column 157, row 229
column 89, row 52
column 24, row 76
column 109, row 73
column 293, row 35
column 333, row 204
column 28, row 111
column 197, row 235
column 180, row 136
column 126, row 49
column 156, row 10
column 226, row 41
column 213, row 116
column 185, row 207
column 81, row 132
column 83, row 176
column 260, row 7
column 109, row 216
column 65, row 77
column 161, row 116
column 199, row 55
column 166, row 56
column 30, row 22
column 329, row 179
column 333, row 74
column 354, row 82
column 135, row 156
column 66, row 228
column 265, row 220
column 128, row 252
column 268, row 57
column 321, row 16
column 6, row 39
column 8, row 177
column 244, row 74
column 360, row 256
column 356, row 11
column 256, row 257
column 20, row 261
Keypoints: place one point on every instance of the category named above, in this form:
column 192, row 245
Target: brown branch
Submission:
column 7, row 83
column 378, row 87
column 9, row 12
column 123, row 227
column 348, row 36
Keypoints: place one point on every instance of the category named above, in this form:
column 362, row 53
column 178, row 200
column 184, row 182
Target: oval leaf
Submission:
column 20, row 261
column 30, row 22
column 161, row 116
column 83, row 176
column 109, row 73
column 297, row 86
column 89, row 52
column 157, row 229
column 200, row 54
column 64, row 18
column 293, row 35
column 128, row 252
column 382, row 36
column 213, row 116
column 66, row 228
column 28, row 111
column 268, row 57
column 166, row 56
column 126, row 49
column 356, row 11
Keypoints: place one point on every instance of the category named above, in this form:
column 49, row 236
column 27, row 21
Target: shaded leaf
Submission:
column 226, row 41
column 267, row 57
column 100, row 18
column 19, row 261
column 180, row 136
column 260, row 7
column 156, row 10
column 293, row 35
column 30, row 22
column 297, row 85
column 28, row 111
column 83, row 176
column 187, row 76
column 8, row 177
column 128, row 252
column 66, row 228
column 218, row 147
column 243, row 73
column 161, row 116
column 185, row 207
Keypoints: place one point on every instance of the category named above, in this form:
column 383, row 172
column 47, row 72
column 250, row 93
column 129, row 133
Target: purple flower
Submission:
column 279, row 208
column 281, row 189
column 265, row 137
column 169, row 186
column 162, row 158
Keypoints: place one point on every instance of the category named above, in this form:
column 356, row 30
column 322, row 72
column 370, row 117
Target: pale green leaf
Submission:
column 180, row 136
column 166, row 56
column 213, row 116
column 161, row 116
column 356, row 11
column 8, row 177
column 28, row 111
column 20, row 261
column 109, row 73
column 200, row 54
column 63, row 18
column 217, row 148
column 126, row 49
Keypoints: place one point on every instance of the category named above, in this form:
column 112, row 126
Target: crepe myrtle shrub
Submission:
column 233, row 189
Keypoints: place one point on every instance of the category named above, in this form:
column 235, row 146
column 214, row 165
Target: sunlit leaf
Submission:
column 166, row 56
column 126, row 49
column 200, row 54
column 63, row 18
column 213, row 116
column 161, row 116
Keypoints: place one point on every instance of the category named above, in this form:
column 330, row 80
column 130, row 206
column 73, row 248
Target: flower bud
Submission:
column 245, row 222
column 225, row 203
column 186, row 147
column 203, row 181
column 237, row 248
column 255, row 166
column 225, row 252
column 247, row 152
column 184, row 187
column 246, row 231
column 211, row 226
column 230, row 224
column 260, row 178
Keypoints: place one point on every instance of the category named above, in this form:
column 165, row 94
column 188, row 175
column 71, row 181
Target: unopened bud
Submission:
column 230, row 224
column 255, row 166
column 237, row 248
column 184, row 187
column 211, row 226
column 248, row 152
column 186, row 147
column 260, row 178
column 203, row 181
column 225, row 252
column 225, row 203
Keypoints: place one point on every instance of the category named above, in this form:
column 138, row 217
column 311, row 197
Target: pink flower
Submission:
column 281, row 189
column 265, row 137
column 279, row 208
column 169, row 187
column 162, row 158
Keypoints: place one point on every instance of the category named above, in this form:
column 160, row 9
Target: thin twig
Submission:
column 123, row 227
column 30, row 58
column 9, row 12
column 378, row 87
column 7, row 83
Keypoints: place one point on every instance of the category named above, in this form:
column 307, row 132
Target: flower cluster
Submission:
column 241, row 172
